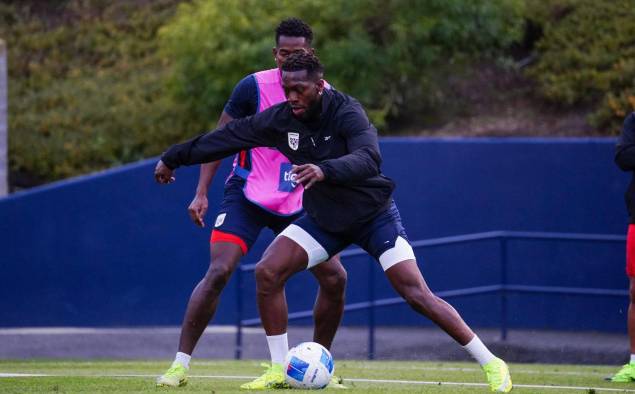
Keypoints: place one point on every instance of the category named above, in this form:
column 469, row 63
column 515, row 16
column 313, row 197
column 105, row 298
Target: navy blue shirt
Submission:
column 243, row 102
column 343, row 143
column 244, row 98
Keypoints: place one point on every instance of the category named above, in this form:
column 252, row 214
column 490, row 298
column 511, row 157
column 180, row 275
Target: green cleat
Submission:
column 176, row 376
column 498, row 376
column 336, row 383
column 624, row 375
column 273, row 378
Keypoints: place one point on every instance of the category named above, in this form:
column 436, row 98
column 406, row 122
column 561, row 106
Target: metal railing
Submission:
column 503, row 288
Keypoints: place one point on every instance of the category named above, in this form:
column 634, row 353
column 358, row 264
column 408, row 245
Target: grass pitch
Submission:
column 359, row 376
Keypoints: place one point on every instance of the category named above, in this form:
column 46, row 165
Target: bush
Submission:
column 95, row 83
column 86, row 88
column 587, row 57
column 385, row 53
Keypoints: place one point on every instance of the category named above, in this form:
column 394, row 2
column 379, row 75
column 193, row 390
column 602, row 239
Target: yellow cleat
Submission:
column 273, row 378
column 336, row 383
column 176, row 376
column 624, row 375
column 498, row 376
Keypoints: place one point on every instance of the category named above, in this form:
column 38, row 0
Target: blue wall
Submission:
column 116, row 249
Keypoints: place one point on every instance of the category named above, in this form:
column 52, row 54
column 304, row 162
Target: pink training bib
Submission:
column 269, row 183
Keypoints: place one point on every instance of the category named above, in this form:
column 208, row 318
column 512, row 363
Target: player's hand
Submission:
column 163, row 174
column 307, row 174
column 198, row 209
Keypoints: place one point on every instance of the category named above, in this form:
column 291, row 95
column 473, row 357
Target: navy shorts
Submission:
column 383, row 237
column 240, row 221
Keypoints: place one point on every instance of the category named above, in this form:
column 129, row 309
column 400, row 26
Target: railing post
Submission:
column 371, row 309
column 503, row 291
column 239, row 314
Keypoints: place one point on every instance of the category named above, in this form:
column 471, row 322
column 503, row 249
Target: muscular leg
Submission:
column 329, row 304
column 204, row 299
column 282, row 259
column 407, row 280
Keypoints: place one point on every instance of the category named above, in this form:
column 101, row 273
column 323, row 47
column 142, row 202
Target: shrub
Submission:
column 385, row 53
column 586, row 57
column 95, row 83
column 86, row 87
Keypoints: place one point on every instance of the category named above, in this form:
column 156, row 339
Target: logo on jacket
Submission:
column 294, row 140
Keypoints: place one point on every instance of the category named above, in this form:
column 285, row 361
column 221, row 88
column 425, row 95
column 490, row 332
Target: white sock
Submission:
column 183, row 359
column 278, row 347
column 479, row 351
column 632, row 358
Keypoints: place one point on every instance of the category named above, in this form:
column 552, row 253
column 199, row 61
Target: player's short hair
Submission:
column 294, row 27
column 299, row 61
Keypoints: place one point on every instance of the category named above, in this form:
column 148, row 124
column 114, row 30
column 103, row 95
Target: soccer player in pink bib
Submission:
column 260, row 192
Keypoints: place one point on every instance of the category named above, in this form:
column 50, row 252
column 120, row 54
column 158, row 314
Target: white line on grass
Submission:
column 468, row 369
column 515, row 371
column 21, row 375
column 531, row 386
column 414, row 382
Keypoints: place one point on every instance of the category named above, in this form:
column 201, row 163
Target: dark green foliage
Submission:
column 586, row 56
column 95, row 83
column 87, row 88
column 385, row 53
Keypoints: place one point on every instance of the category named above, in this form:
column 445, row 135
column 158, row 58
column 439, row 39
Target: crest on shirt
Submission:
column 294, row 140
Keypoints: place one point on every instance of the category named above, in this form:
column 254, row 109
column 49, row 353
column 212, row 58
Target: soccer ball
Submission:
column 308, row 366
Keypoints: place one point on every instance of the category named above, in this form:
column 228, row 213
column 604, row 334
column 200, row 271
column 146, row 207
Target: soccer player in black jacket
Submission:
column 327, row 136
column 625, row 159
column 242, row 216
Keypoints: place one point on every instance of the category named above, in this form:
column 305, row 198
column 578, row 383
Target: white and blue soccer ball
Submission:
column 308, row 366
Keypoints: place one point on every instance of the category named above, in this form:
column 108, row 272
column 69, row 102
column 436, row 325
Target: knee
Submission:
column 217, row 276
column 334, row 283
column 420, row 300
column 267, row 277
column 632, row 292
column 338, row 281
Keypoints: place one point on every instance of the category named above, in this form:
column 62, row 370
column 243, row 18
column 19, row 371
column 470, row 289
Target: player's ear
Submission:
column 320, row 86
column 274, row 51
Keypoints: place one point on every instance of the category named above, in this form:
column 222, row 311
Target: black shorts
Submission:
column 383, row 237
column 240, row 221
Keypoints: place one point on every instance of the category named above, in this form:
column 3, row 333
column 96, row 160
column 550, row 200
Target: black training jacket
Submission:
column 625, row 159
column 343, row 143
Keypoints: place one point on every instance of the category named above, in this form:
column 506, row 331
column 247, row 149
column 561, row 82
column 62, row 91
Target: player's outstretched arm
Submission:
column 235, row 136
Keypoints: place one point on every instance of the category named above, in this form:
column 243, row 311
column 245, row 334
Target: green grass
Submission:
column 226, row 376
